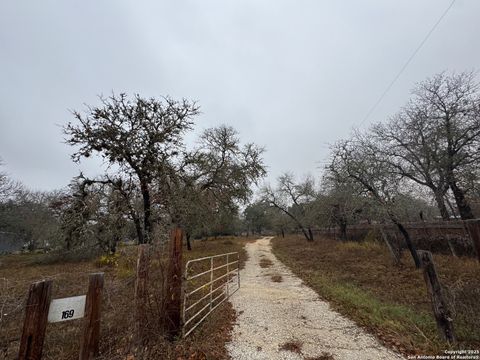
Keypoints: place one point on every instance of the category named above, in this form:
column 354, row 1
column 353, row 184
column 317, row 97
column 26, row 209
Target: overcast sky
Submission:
column 292, row 76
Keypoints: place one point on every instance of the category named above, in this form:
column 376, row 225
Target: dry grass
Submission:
column 277, row 278
column 359, row 280
column 17, row 272
column 292, row 345
column 265, row 263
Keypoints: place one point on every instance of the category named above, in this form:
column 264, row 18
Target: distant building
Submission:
column 10, row 242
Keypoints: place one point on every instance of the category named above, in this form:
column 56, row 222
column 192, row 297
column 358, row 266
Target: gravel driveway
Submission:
column 272, row 314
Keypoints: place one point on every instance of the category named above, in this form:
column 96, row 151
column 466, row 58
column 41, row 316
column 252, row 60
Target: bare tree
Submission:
column 339, row 203
column 279, row 221
column 28, row 214
column 452, row 107
column 8, row 187
column 409, row 145
column 359, row 160
column 293, row 199
column 434, row 139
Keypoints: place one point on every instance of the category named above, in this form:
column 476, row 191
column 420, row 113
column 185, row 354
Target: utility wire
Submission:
column 373, row 108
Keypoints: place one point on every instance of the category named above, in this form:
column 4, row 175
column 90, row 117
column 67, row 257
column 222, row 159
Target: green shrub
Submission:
column 110, row 260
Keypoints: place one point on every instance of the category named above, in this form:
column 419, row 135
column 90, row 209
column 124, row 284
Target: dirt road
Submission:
column 272, row 315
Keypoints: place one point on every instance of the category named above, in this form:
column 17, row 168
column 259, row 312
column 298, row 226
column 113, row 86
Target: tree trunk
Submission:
column 138, row 228
column 304, row 233
column 133, row 215
column 294, row 219
column 450, row 206
column 147, row 225
column 310, row 234
column 189, row 244
column 408, row 240
column 473, row 228
column 68, row 240
column 141, row 294
column 343, row 230
column 113, row 244
column 462, row 203
column 283, row 233
column 441, row 206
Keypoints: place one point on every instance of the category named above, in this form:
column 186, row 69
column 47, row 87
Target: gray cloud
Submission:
column 289, row 75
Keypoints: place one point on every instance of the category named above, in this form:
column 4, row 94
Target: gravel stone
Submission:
column 273, row 313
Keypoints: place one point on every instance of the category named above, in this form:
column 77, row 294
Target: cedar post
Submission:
column 91, row 334
column 393, row 250
column 35, row 323
column 174, row 285
column 441, row 311
column 141, row 292
column 451, row 246
column 473, row 227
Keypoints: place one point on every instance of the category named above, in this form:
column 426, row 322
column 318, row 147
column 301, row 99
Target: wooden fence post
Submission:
column 393, row 249
column 473, row 227
column 451, row 246
column 35, row 323
column 441, row 311
column 174, row 285
column 141, row 292
column 91, row 333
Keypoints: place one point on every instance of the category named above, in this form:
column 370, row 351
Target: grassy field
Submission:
column 70, row 275
column 361, row 282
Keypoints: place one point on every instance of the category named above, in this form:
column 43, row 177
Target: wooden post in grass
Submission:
column 174, row 285
column 473, row 227
column 141, row 292
column 35, row 323
column 393, row 250
column 451, row 246
column 91, row 333
column 441, row 311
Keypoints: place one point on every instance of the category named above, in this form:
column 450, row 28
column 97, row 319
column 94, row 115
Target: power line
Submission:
column 372, row 109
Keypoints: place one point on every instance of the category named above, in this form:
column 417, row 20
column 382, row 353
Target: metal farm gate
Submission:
column 208, row 282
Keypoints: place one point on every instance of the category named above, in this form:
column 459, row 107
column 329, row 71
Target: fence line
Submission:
column 41, row 309
column 466, row 229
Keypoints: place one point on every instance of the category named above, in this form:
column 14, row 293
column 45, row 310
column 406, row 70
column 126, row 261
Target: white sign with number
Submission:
column 67, row 309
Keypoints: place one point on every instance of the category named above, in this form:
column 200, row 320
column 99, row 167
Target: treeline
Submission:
column 26, row 217
column 303, row 204
column 421, row 164
column 151, row 182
